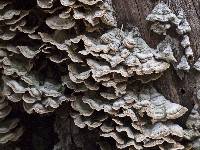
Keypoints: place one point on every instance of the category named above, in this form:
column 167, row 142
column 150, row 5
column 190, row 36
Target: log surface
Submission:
column 134, row 12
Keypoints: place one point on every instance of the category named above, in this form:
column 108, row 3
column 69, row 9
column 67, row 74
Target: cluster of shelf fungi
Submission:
column 72, row 51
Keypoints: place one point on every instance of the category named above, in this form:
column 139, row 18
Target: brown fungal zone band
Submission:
column 75, row 44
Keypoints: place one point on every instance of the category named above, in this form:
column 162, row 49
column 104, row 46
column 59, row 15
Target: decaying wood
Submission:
column 134, row 12
column 134, row 116
column 70, row 136
column 181, row 87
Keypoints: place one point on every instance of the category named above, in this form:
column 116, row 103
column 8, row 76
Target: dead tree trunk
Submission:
column 134, row 12
column 181, row 87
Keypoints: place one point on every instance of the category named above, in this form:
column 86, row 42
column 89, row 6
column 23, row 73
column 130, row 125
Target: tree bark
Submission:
column 182, row 91
column 171, row 85
column 70, row 136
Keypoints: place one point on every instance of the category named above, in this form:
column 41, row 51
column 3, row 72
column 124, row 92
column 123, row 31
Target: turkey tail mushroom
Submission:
column 10, row 129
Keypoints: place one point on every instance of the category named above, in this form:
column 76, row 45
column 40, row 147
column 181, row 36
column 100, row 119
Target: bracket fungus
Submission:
column 39, row 98
column 197, row 65
column 136, row 106
column 163, row 18
column 183, row 64
column 120, row 53
column 10, row 128
column 193, row 121
column 91, row 13
column 165, row 50
column 160, row 28
column 162, row 13
column 18, row 59
column 71, row 50
column 29, row 53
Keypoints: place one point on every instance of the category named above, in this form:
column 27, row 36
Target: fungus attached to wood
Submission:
column 72, row 51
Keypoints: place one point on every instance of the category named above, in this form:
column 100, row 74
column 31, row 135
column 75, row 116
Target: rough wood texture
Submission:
column 70, row 136
column 134, row 12
column 183, row 91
